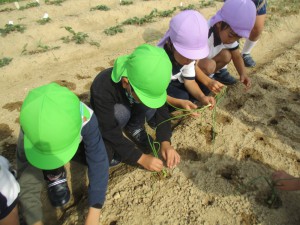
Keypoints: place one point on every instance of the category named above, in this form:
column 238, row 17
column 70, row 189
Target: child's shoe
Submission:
column 224, row 77
column 58, row 190
column 248, row 61
column 116, row 160
column 140, row 138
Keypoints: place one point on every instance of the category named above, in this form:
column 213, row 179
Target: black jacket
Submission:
column 104, row 95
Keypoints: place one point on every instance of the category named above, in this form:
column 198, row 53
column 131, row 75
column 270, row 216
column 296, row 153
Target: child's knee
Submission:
column 208, row 66
column 226, row 56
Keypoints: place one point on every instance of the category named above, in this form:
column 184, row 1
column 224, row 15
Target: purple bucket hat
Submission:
column 188, row 32
column 240, row 15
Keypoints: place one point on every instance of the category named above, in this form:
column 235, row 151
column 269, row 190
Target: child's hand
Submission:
column 150, row 162
column 206, row 100
column 285, row 181
column 215, row 86
column 170, row 154
column 188, row 105
column 246, row 81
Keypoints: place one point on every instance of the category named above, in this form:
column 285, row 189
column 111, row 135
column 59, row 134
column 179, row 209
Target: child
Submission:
column 53, row 123
column 185, row 42
column 261, row 8
column 123, row 96
column 286, row 182
column 233, row 21
column 9, row 190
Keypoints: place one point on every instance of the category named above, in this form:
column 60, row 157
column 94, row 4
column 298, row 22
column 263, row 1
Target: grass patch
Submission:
column 5, row 61
column 189, row 7
column 54, row 2
column 78, row 37
column 9, row 1
column 114, row 30
column 43, row 21
column 41, row 48
column 8, row 28
column 126, row 2
column 100, row 7
column 207, row 3
column 7, row 9
column 30, row 5
column 139, row 21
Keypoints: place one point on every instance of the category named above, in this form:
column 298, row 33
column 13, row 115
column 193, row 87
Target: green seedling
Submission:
column 54, row 2
column 24, row 49
column 126, row 2
column 43, row 21
column 5, row 61
column 270, row 198
column 30, row 5
column 207, row 3
column 100, row 7
column 139, row 21
column 11, row 28
column 78, row 38
column 113, row 30
column 41, row 48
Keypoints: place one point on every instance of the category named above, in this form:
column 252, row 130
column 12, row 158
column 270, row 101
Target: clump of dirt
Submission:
column 248, row 219
column 13, row 106
column 5, row 131
column 9, row 150
column 81, row 77
column 230, row 172
column 67, row 84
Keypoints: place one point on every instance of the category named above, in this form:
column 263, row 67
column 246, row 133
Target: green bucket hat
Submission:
column 148, row 70
column 51, row 121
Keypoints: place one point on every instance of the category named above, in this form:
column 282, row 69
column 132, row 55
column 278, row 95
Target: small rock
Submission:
column 117, row 195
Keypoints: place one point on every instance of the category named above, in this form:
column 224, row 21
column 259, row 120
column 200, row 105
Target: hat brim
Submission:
column 49, row 162
column 192, row 53
column 151, row 102
column 241, row 33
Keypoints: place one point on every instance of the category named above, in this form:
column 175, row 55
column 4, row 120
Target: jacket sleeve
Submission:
column 103, row 102
column 163, row 131
column 97, row 161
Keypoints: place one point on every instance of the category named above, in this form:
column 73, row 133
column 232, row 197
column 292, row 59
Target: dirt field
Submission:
column 216, row 183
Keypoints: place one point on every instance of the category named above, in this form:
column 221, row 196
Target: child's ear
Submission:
column 125, row 82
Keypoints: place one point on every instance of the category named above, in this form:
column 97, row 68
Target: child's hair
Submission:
column 169, row 45
column 224, row 25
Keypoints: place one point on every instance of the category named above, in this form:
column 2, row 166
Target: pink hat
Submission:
column 188, row 32
column 240, row 15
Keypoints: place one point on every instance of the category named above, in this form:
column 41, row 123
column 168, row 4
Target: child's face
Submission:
column 181, row 59
column 227, row 35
